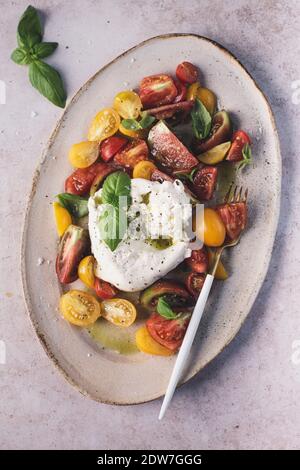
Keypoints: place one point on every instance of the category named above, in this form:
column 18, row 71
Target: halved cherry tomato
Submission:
column 215, row 155
column 139, row 134
column 221, row 131
column 169, row 151
column 234, row 217
column 109, row 147
column 84, row 154
column 80, row 181
column 192, row 91
column 168, row 110
column 187, row 72
column 239, row 140
column 79, row 308
column 198, row 261
column 146, row 344
column 128, row 104
column 169, row 333
column 181, row 91
column 134, row 152
column 157, row 90
column 143, row 169
column 104, row 289
column 62, row 218
column 100, row 177
column 86, row 270
column 120, row 312
column 194, row 283
column 204, row 182
column 104, row 124
column 213, row 229
column 221, row 274
column 73, row 246
column 174, row 293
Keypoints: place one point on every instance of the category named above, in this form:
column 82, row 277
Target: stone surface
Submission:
column 248, row 397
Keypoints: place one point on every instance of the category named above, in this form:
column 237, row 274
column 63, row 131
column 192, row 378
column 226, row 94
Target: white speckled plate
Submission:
column 137, row 378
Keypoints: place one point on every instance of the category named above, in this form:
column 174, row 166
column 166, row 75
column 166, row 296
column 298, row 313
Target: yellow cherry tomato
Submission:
column 86, row 270
column 128, row 104
column 208, row 98
column 192, row 91
column 84, row 154
column 221, row 274
column 148, row 345
column 213, row 230
column 140, row 134
column 104, row 124
column 143, row 169
column 120, row 312
column 79, row 308
column 62, row 218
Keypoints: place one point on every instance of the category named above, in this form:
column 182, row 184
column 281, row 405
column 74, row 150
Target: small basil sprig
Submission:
column 134, row 125
column 247, row 157
column 116, row 195
column 201, row 120
column 164, row 309
column 31, row 50
column 187, row 176
column 76, row 205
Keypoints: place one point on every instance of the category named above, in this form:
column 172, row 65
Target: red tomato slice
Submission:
column 104, row 289
column 204, row 182
column 73, row 246
column 134, row 152
column 234, row 217
column 80, row 181
column 239, row 139
column 169, row 333
column 169, row 151
column 198, row 261
column 187, row 72
column 160, row 176
column 109, row 147
column 181, row 91
column 194, row 283
column 157, row 90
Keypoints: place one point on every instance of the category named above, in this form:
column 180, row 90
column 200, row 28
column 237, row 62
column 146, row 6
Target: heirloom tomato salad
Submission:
column 161, row 148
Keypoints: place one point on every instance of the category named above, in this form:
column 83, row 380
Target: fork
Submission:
column 234, row 195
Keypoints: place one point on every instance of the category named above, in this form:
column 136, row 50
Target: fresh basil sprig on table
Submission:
column 247, row 157
column 134, row 125
column 76, row 205
column 31, row 50
column 164, row 309
column 113, row 221
column 201, row 120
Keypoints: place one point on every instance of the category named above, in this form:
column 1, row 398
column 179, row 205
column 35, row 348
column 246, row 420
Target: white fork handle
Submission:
column 187, row 343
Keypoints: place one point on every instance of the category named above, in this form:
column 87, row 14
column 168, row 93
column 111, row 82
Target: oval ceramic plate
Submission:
column 107, row 376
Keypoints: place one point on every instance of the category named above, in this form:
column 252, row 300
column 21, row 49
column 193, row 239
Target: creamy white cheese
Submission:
column 158, row 210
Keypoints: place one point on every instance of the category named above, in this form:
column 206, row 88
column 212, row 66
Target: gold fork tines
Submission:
column 236, row 194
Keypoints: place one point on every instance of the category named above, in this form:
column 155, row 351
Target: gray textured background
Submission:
column 249, row 396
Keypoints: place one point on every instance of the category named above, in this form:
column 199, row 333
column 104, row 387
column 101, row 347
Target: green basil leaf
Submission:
column 201, row 120
column 131, row 124
column 44, row 49
column 116, row 185
column 188, row 176
column 76, row 205
column 29, row 28
column 48, row 82
column 116, row 196
column 146, row 120
column 21, row 56
column 164, row 309
column 247, row 157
